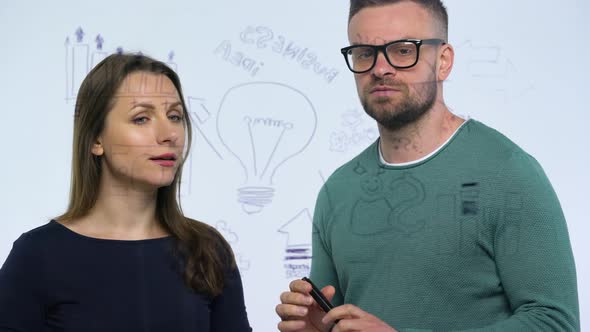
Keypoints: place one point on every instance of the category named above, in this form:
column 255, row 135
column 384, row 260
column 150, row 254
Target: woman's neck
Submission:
column 121, row 212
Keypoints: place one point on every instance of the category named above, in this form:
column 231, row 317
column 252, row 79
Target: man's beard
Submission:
column 407, row 111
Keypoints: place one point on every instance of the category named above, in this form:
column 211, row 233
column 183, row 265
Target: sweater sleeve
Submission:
column 21, row 304
column 323, row 271
column 533, row 253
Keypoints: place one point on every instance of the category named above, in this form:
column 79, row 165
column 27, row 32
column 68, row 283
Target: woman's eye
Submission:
column 140, row 120
column 175, row 117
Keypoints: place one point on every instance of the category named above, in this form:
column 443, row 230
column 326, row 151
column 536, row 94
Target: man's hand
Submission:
column 352, row 318
column 298, row 310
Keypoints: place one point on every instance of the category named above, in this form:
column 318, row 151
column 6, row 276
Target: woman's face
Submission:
column 143, row 137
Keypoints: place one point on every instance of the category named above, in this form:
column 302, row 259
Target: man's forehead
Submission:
column 383, row 24
column 380, row 40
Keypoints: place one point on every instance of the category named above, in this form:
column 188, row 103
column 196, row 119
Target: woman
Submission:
column 123, row 257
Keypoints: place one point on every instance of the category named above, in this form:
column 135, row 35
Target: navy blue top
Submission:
column 57, row 280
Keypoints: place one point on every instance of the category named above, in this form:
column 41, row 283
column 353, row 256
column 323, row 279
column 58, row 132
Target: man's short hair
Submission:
column 436, row 8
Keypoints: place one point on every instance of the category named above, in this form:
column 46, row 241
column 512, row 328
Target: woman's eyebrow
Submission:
column 171, row 105
column 142, row 104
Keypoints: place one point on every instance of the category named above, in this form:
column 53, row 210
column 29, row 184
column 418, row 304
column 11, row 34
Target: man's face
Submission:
column 396, row 97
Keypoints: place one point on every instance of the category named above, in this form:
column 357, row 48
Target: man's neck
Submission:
column 420, row 138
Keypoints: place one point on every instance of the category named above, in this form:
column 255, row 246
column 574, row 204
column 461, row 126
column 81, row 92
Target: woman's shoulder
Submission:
column 44, row 239
column 40, row 235
column 32, row 245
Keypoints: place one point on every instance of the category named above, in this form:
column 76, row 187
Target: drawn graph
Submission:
column 298, row 249
column 81, row 57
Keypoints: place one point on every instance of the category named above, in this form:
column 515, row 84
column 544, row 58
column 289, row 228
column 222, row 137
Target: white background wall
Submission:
column 521, row 67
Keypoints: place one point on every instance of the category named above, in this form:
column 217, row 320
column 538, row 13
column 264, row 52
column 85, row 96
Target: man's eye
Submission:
column 404, row 51
column 362, row 54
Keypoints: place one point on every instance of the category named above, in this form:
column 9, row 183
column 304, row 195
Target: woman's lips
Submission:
column 164, row 162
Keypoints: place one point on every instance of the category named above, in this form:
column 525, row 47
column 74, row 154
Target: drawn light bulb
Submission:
column 264, row 124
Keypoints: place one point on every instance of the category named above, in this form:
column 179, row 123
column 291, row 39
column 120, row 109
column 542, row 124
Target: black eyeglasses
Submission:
column 400, row 54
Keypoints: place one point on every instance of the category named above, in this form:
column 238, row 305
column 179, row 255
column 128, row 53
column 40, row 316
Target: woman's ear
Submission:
column 97, row 148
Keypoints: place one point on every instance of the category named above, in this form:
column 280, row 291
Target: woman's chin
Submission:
column 153, row 184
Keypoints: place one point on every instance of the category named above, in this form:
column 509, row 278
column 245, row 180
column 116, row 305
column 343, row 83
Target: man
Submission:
column 443, row 223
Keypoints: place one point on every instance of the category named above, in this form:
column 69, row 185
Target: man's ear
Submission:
column 97, row 148
column 446, row 60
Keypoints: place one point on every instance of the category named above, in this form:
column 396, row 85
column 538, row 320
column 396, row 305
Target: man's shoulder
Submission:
column 489, row 143
column 507, row 156
column 482, row 133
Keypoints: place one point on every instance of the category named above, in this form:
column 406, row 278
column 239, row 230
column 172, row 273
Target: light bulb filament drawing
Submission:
column 263, row 125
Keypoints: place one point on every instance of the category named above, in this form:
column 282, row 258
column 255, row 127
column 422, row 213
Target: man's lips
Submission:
column 384, row 91
column 384, row 88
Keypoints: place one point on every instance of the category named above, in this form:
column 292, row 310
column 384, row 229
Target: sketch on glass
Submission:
column 298, row 249
column 263, row 125
column 232, row 238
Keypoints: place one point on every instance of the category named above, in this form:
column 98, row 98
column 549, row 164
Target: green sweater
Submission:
column 471, row 238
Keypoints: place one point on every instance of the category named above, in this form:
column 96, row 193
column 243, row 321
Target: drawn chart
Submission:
column 80, row 58
column 297, row 261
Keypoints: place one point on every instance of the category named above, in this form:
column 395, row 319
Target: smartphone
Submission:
column 318, row 296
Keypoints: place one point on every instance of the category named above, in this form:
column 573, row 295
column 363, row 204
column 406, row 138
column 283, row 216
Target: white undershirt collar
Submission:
column 409, row 163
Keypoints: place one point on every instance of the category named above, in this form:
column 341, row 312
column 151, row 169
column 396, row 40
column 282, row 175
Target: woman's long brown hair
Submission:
column 204, row 254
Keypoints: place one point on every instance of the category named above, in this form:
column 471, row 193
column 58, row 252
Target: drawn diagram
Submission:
column 81, row 57
column 298, row 249
column 387, row 204
column 358, row 131
column 232, row 238
column 487, row 65
column 200, row 115
column 263, row 125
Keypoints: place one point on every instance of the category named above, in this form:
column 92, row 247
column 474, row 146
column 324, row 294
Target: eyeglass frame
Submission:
column 382, row 48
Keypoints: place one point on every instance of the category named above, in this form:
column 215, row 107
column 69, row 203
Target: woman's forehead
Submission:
column 143, row 83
